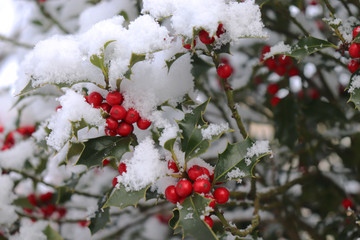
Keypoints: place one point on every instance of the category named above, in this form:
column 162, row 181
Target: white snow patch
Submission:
column 214, row 130
column 355, row 83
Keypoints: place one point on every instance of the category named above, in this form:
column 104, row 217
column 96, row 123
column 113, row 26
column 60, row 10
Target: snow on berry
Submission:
column 144, row 167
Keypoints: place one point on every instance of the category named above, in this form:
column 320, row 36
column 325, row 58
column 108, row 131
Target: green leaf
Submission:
column 75, row 149
column 357, row 39
column 122, row 199
column 51, row 234
column 78, row 125
column 173, row 59
column 169, row 144
column 97, row 149
column 125, row 15
column 200, row 66
column 188, row 217
column 101, row 218
column 98, row 60
column 135, row 58
column 355, row 95
column 225, row 48
column 307, row 46
column 28, row 88
column 23, row 202
column 234, row 158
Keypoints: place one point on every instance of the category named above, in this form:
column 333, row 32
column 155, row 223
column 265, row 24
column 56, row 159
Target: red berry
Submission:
column 184, row 188
column 105, row 162
column 171, row 195
column 205, row 38
column 353, row 65
column 110, row 132
column 285, row 60
column 273, row 88
column 143, row 123
column 209, row 221
column 188, row 46
column 1, row 129
column 270, row 63
column 46, row 197
column 274, row 101
column 124, row 129
column 224, row 71
column 221, row 195
column 83, row 223
column 95, row 99
column 356, row 31
column 265, row 49
column 114, row 98
column 212, row 203
column 32, row 199
column 132, row 116
column 354, row 50
column 314, row 3
column 61, row 211
column 280, row 70
column 122, row 168
column 118, row 112
column 294, row 71
column 196, row 171
column 347, row 203
column 114, row 181
column 48, row 210
column 202, row 185
column 172, row 166
column 220, row 30
column 111, row 123
column 28, row 210
column 105, row 107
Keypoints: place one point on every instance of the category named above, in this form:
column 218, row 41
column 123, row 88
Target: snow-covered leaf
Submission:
column 78, row 125
column 173, row 59
column 135, row 58
column 51, row 234
column 97, row 149
column 189, row 218
column 101, row 218
column 307, row 46
column 237, row 161
column 122, row 199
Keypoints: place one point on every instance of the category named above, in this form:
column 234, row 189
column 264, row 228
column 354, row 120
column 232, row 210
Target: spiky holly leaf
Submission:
column 97, row 149
column 135, row 58
column 189, row 218
column 354, row 89
column 173, row 59
column 99, row 60
column 23, row 202
column 122, row 199
column 192, row 141
column 236, row 162
column 78, row 125
column 51, row 234
column 101, row 218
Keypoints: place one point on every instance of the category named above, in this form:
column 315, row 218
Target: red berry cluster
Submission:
column 44, row 205
column 205, row 38
column 198, row 181
column 280, row 64
column 25, row 132
column 119, row 121
column 354, row 51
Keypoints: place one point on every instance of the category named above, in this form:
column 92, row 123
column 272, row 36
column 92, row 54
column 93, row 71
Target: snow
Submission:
column 355, row 84
column 280, row 47
column 7, row 211
column 19, row 153
column 31, row 231
column 214, row 130
column 144, row 167
column 235, row 174
column 188, row 216
column 258, row 148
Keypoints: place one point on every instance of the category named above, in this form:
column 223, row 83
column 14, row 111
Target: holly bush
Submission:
column 182, row 120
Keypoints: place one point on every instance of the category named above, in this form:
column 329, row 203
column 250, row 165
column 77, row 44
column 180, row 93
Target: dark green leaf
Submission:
column 355, row 95
column 122, row 199
column 64, row 194
column 200, row 66
column 75, row 149
column 189, row 218
column 23, row 202
column 169, row 144
column 173, row 59
column 225, row 48
column 27, row 88
column 234, row 159
column 307, row 46
column 78, row 125
column 51, row 234
column 101, row 218
column 135, row 58
column 97, row 149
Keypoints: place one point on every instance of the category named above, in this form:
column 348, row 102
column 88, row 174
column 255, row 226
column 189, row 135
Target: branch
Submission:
column 15, row 42
column 50, row 17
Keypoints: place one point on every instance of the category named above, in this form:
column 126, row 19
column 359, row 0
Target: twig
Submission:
column 50, row 17
column 15, row 42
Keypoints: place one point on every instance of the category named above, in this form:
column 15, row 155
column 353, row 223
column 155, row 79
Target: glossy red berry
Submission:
column 83, row 223
column 273, row 88
column 172, row 166
column 111, row 123
column 264, row 50
column 285, row 60
column 280, row 70
column 356, row 31
column 105, row 107
column 184, row 188
column 171, row 195
column 114, row 181
column 143, row 123
column 224, row 71
column 122, row 168
column 221, row 195
column 46, row 197
column 32, row 199
column 105, row 162
column 354, row 50
column 209, row 221
column 220, row 30
column 353, row 65
column 47, row 210
column 313, row 94
column 202, row 185
column 124, row 129
column 275, row 101
column 212, row 203
column 118, row 112
column 196, row 171
column 132, row 116
column 110, row 132
column 347, row 203
column 61, row 211
column 205, row 38
column 294, row 71
column 95, row 99
column 114, row 98
column 271, row 63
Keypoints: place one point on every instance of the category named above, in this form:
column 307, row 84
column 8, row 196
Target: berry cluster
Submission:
column 354, row 51
column 24, row 132
column 119, row 121
column 198, row 181
column 280, row 64
column 205, row 38
column 44, row 205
